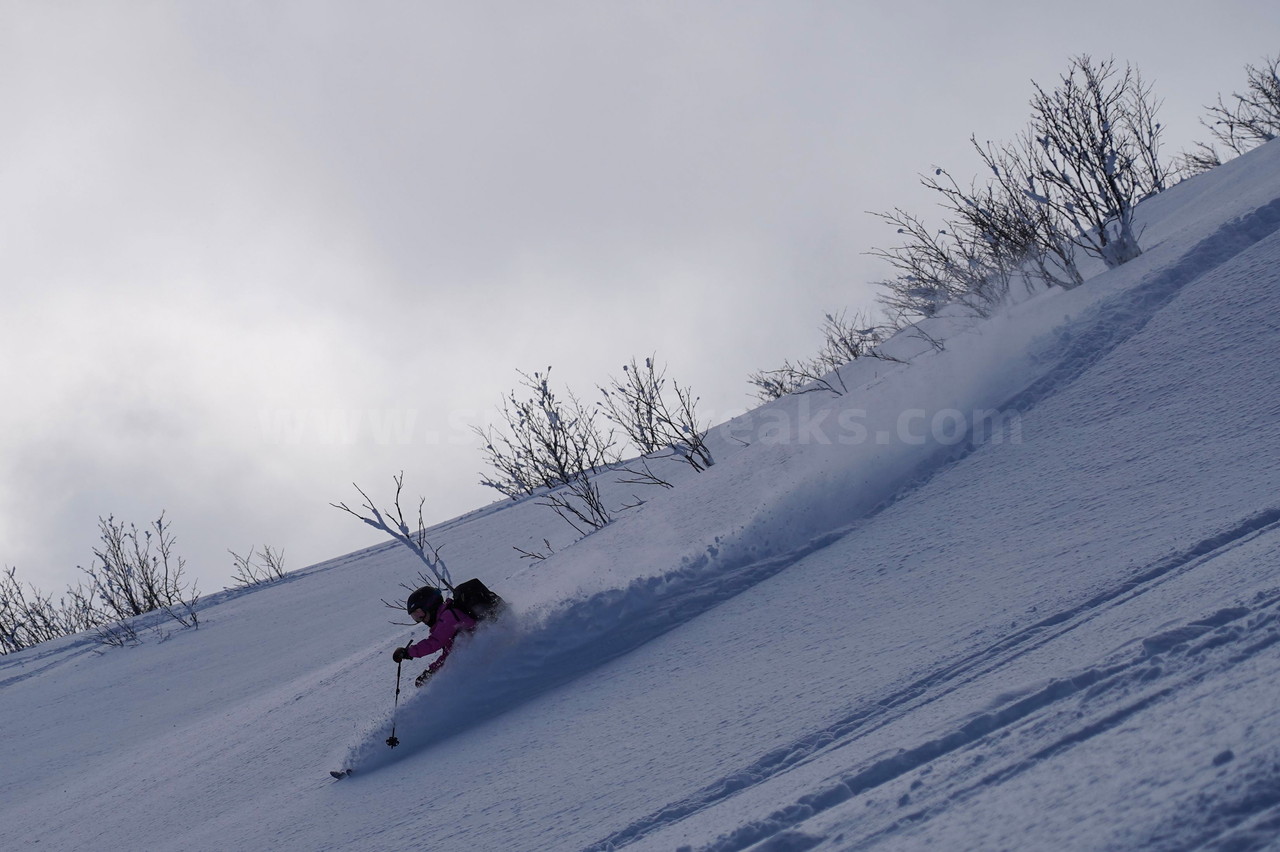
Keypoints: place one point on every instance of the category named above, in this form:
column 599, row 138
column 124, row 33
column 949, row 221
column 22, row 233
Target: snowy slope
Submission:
column 875, row 623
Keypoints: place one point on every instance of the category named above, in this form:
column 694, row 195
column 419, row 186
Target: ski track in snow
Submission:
column 1242, row 631
column 1076, row 349
column 1085, row 342
column 938, row 684
column 1115, row 320
column 1168, row 662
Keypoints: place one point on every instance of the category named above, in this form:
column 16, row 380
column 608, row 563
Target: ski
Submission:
column 339, row 774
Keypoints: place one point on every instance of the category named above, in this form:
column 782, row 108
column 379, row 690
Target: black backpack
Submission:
column 478, row 601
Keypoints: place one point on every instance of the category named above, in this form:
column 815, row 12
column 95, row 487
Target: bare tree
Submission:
column 29, row 616
column 579, row 503
column 138, row 572
column 119, row 633
column 258, row 569
column 1071, row 182
column 993, row 234
column 844, row 339
column 552, row 448
column 393, row 523
column 935, row 267
column 1241, row 122
column 653, row 420
column 1201, row 158
column 1015, row 236
column 547, row 442
column 12, row 613
column 1247, row 120
column 536, row 555
column 1097, row 155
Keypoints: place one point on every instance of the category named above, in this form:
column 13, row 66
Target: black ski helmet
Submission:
column 427, row 599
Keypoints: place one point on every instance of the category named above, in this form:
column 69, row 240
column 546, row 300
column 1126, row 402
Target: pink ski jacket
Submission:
column 449, row 623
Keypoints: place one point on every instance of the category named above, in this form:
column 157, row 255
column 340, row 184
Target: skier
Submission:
column 446, row 621
column 446, row 617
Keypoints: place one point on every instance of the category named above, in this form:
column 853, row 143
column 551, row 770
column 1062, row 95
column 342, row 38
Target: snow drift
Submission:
column 1019, row 592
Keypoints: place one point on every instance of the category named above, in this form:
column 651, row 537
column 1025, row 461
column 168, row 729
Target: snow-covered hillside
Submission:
column 1019, row 593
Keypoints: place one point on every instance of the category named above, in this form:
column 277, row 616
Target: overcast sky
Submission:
column 252, row 252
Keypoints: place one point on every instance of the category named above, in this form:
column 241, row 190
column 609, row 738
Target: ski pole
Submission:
column 391, row 740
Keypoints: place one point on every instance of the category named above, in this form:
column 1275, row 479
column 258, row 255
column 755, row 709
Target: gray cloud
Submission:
column 252, row 252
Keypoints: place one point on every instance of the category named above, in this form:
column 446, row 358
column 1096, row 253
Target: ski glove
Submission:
column 401, row 654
